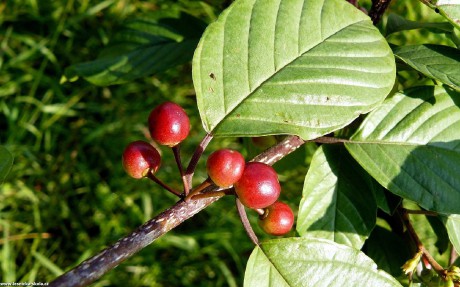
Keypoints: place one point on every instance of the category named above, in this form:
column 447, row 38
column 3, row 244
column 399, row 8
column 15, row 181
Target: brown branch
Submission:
column 426, row 255
column 95, row 267
column 377, row 10
column 422, row 212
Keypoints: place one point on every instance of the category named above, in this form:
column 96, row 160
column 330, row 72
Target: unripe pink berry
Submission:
column 225, row 167
column 139, row 157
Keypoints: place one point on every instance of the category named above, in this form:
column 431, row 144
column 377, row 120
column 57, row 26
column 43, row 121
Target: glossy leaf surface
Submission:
column 438, row 62
column 304, row 262
column 304, row 67
column 453, row 229
column 337, row 201
column 411, row 146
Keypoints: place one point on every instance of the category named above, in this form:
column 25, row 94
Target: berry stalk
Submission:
column 96, row 266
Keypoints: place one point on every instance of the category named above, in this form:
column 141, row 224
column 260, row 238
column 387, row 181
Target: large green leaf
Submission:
column 442, row 238
column 6, row 161
column 337, row 201
column 142, row 47
column 411, row 146
column 441, row 63
column 453, row 229
column 305, row 67
column 303, row 262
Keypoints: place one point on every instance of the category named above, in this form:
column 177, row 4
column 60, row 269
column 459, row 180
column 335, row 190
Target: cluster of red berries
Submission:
column 256, row 184
column 168, row 125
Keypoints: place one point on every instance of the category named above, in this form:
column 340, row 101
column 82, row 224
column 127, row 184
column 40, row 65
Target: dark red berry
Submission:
column 277, row 219
column 139, row 157
column 169, row 124
column 225, row 167
column 258, row 187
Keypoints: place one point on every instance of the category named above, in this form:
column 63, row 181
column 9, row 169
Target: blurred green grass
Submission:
column 67, row 196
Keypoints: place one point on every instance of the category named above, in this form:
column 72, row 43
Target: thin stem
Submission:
column 438, row 268
column 194, row 160
column 453, row 255
column 176, row 152
column 152, row 176
column 214, row 193
column 245, row 221
column 423, row 212
column 330, row 140
column 260, row 211
column 205, row 184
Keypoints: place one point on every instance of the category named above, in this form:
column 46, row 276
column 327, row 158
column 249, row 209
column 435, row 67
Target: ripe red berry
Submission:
column 258, row 187
column 138, row 157
column 225, row 167
column 277, row 219
column 169, row 124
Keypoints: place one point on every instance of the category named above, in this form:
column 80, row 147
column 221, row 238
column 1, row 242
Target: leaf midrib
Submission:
column 278, row 71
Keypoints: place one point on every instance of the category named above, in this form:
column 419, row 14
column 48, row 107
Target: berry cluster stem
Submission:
column 96, row 266
column 420, row 247
column 205, row 184
column 188, row 176
column 245, row 221
column 153, row 177
column 177, row 157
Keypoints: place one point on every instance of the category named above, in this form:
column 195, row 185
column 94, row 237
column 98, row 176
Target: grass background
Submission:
column 67, row 196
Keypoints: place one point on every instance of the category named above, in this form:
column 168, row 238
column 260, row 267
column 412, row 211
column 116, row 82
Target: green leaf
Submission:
column 303, row 262
column 6, row 162
column 442, row 238
column 337, row 201
column 142, row 47
column 305, row 67
column 386, row 201
column 396, row 23
column 453, row 230
column 388, row 250
column 411, row 146
column 447, row 8
column 441, row 63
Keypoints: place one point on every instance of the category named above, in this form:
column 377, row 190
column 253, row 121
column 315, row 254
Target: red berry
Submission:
column 169, row 124
column 277, row 219
column 138, row 157
column 258, row 187
column 225, row 167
